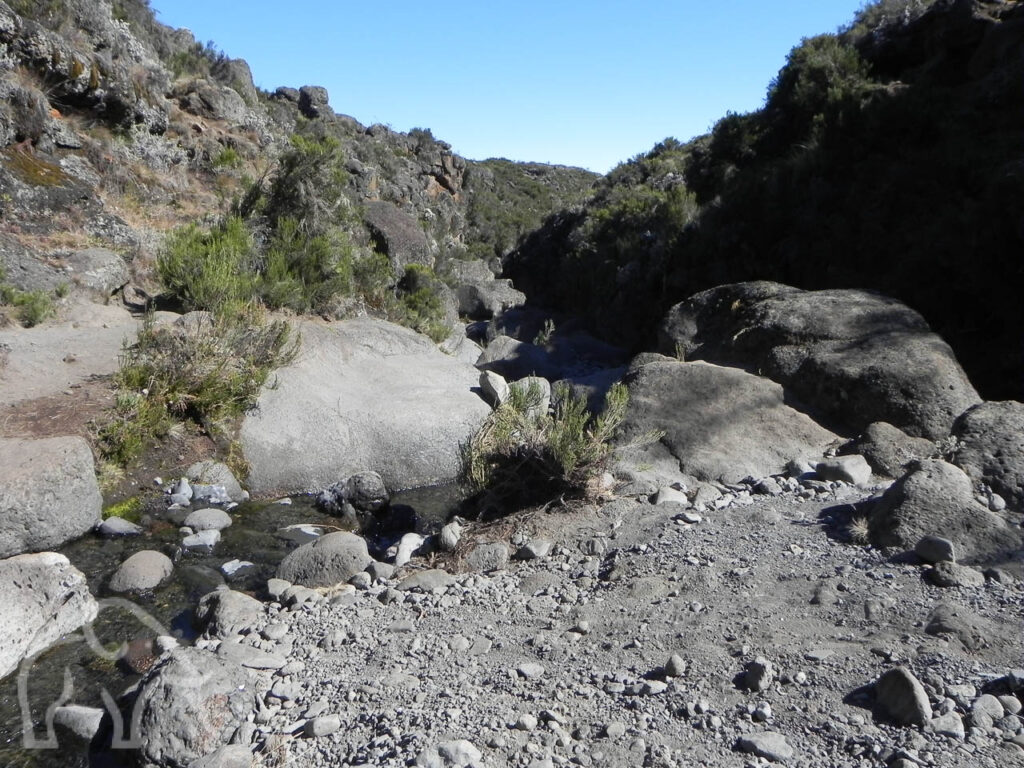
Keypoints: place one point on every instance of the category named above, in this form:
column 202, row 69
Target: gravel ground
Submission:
column 642, row 640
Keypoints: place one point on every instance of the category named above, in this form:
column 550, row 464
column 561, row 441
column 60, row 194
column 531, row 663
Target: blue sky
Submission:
column 571, row 82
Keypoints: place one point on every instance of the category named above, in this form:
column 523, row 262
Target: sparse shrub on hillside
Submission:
column 308, row 185
column 508, row 200
column 884, row 15
column 521, row 457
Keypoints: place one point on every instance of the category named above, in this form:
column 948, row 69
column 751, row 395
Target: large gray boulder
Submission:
column 313, row 101
column 398, row 235
column 482, row 300
column 331, row 559
column 189, row 706
column 44, row 598
column 991, row 448
column 363, row 393
column 937, row 498
column 854, row 357
column 48, row 493
column 210, row 99
column 98, row 269
column 720, row 424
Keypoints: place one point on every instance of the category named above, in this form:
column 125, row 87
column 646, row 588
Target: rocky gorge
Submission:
column 803, row 546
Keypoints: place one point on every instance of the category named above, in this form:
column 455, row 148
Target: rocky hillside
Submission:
column 887, row 156
column 115, row 129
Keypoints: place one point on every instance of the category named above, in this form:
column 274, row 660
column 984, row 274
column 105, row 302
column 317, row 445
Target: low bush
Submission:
column 522, row 456
column 30, row 307
column 419, row 302
column 209, row 270
column 207, row 374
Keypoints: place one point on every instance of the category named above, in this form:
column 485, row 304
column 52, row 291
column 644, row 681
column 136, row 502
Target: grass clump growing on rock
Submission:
column 206, row 372
column 522, row 455
column 129, row 509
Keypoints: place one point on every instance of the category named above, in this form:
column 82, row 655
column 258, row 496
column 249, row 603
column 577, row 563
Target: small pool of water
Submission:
column 252, row 536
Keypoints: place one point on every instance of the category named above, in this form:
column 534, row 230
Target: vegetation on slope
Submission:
column 887, row 156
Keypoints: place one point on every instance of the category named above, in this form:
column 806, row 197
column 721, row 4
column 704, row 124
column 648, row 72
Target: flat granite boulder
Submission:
column 362, row 394
column 720, row 424
column 854, row 357
column 44, row 598
column 48, row 493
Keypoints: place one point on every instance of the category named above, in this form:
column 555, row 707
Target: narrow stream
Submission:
column 253, row 536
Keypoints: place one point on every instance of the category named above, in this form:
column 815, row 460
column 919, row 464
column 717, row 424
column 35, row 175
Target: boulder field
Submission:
column 775, row 572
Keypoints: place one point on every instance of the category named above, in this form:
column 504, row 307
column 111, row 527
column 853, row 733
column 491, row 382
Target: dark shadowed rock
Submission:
column 331, row 559
column 398, row 235
column 936, row 498
column 313, row 101
column 48, row 493
column 889, row 449
column 991, row 449
column 901, row 696
column 720, row 423
column 855, row 357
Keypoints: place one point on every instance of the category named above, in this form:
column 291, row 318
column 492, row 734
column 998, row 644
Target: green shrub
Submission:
column 227, row 158
column 521, row 457
column 308, row 185
column 419, row 302
column 209, row 270
column 302, row 272
column 31, row 307
column 207, row 374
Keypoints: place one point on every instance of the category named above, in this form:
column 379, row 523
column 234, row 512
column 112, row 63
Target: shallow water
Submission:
column 252, row 536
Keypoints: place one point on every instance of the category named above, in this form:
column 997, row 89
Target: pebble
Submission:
column 526, row 722
column 204, row 541
column 759, row 674
column 675, row 666
column 769, row 744
column 615, row 729
column 208, row 520
column 322, row 726
column 118, row 526
column 531, row 670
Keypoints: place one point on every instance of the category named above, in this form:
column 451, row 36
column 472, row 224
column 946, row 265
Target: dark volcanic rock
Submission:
column 853, row 356
column 991, row 449
column 398, row 235
column 936, row 498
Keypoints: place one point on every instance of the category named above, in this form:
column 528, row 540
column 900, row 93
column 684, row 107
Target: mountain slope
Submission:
column 889, row 156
